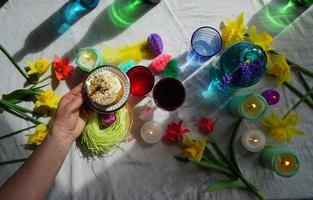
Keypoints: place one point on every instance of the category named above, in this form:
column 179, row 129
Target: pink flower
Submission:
column 175, row 131
column 206, row 125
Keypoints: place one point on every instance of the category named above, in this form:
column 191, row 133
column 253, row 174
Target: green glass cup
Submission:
column 251, row 106
column 284, row 162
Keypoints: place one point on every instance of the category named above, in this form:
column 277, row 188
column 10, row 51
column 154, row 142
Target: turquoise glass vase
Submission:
column 242, row 65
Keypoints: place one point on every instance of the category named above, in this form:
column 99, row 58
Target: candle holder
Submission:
column 151, row 132
column 169, row 94
column 141, row 80
column 242, row 65
column 251, row 106
column 205, row 43
column 271, row 96
column 88, row 59
column 253, row 140
column 284, row 162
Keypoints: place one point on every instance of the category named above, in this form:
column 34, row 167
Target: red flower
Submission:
column 175, row 131
column 206, row 125
column 62, row 68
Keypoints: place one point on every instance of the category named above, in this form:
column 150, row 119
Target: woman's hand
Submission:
column 69, row 121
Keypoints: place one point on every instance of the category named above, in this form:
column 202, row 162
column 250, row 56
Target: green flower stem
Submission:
column 299, row 102
column 19, row 114
column 15, row 107
column 304, row 82
column 13, row 161
column 40, row 81
column 13, row 62
column 233, row 167
column 299, row 94
column 16, row 132
column 297, row 67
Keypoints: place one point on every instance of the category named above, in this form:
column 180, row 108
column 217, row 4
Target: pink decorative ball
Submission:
column 159, row 63
column 155, row 44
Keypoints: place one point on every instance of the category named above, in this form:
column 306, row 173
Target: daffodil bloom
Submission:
column 282, row 129
column 279, row 67
column 193, row 149
column 40, row 66
column 264, row 40
column 234, row 30
column 46, row 102
column 39, row 136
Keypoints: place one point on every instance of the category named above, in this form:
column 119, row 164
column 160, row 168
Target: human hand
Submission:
column 69, row 119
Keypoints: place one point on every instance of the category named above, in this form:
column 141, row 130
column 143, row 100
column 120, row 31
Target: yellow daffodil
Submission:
column 234, row 30
column 193, row 149
column 279, row 67
column 46, row 102
column 39, row 136
column 264, row 40
column 40, row 66
column 282, row 129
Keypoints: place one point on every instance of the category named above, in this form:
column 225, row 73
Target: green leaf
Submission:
column 209, row 155
column 224, row 184
column 20, row 95
column 210, row 165
column 16, row 132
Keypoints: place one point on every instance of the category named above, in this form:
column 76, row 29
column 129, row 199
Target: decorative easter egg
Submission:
column 155, row 44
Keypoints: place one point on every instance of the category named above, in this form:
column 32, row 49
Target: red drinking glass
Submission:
column 169, row 94
column 141, row 80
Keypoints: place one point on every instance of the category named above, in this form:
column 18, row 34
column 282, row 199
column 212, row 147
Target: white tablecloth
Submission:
column 143, row 171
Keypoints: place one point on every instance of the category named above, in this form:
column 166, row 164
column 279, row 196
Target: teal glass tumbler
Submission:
column 205, row 43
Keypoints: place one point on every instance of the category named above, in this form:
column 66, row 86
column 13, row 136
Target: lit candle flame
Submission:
column 87, row 56
column 274, row 97
column 255, row 140
column 150, row 132
column 287, row 163
column 253, row 105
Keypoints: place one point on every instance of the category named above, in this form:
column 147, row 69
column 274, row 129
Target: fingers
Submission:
column 76, row 102
column 85, row 112
column 77, row 89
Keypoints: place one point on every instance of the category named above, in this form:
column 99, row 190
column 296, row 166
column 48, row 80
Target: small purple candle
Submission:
column 271, row 96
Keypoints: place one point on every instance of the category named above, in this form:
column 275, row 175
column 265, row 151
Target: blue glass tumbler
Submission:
column 205, row 43
column 75, row 9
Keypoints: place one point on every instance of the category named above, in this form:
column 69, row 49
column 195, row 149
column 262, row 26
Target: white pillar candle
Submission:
column 253, row 140
column 151, row 132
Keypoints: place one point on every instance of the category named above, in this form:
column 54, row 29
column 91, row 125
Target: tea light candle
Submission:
column 251, row 106
column 284, row 162
column 151, row 132
column 88, row 59
column 271, row 96
column 253, row 140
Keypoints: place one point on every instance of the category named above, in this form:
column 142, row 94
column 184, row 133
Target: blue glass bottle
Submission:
column 73, row 11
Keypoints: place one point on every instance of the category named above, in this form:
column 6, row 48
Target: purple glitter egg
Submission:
column 271, row 96
column 107, row 119
column 155, row 44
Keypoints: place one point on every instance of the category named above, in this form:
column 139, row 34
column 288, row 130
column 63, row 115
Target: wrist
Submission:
column 63, row 139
